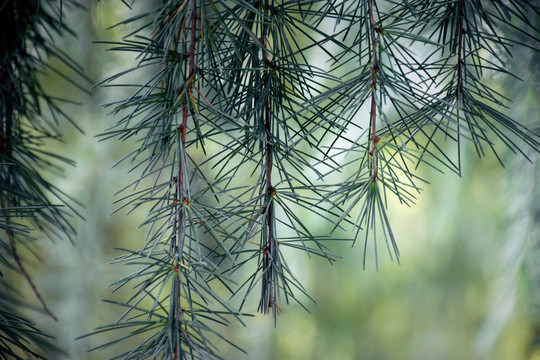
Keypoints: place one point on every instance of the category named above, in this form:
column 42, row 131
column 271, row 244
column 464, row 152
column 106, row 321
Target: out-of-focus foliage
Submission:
column 31, row 204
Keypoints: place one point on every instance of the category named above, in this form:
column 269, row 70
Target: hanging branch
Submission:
column 381, row 153
column 464, row 105
column 11, row 99
column 269, row 244
column 374, row 69
column 276, row 88
column 31, row 206
column 181, row 197
column 181, row 105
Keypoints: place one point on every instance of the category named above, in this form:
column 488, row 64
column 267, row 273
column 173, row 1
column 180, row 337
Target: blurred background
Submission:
column 468, row 286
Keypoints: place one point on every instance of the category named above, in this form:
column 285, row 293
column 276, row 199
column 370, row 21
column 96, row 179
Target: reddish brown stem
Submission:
column 183, row 125
column 459, row 68
column 180, row 198
column 374, row 70
column 270, row 250
column 460, row 61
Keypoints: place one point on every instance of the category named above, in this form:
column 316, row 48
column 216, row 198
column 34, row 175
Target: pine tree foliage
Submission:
column 31, row 206
column 242, row 113
column 237, row 128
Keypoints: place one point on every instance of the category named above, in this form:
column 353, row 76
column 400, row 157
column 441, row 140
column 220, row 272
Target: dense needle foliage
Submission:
column 241, row 115
column 247, row 109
